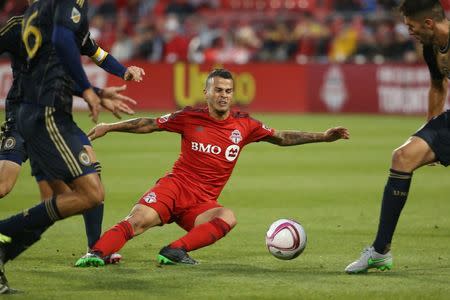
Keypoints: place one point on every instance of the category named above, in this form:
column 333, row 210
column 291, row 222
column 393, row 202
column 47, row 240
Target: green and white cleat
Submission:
column 370, row 259
column 90, row 260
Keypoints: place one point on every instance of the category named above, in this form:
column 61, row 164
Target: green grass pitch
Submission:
column 334, row 190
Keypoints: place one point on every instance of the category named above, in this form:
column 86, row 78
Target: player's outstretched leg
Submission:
column 202, row 235
column 370, row 259
column 110, row 242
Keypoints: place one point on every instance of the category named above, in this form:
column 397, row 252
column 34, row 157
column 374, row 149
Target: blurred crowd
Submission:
column 242, row 31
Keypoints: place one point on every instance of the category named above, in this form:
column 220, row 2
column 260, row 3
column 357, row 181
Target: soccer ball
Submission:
column 286, row 239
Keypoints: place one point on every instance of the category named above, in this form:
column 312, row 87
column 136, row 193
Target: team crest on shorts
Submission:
column 76, row 16
column 84, row 158
column 9, row 143
column 236, row 136
column 150, row 197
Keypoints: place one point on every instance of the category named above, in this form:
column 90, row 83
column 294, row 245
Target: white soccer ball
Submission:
column 286, row 239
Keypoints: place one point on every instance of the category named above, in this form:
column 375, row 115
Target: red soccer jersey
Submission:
column 210, row 148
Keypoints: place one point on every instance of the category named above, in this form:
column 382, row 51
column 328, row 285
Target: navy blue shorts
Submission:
column 437, row 135
column 55, row 144
column 12, row 145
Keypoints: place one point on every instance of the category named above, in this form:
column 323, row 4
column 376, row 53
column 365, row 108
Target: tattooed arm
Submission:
column 292, row 138
column 137, row 125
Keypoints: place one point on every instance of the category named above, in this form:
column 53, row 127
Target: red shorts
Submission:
column 175, row 203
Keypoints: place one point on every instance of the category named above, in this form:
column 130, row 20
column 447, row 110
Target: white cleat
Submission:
column 370, row 259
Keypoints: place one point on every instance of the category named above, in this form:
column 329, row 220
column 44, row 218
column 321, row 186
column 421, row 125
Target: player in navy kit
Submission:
column 50, row 33
column 427, row 22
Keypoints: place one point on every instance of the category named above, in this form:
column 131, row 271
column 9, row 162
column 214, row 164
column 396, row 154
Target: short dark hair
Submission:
column 222, row 73
column 428, row 8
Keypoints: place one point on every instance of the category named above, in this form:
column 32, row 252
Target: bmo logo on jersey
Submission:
column 200, row 147
column 232, row 152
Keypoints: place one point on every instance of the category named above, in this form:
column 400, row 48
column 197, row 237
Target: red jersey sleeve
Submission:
column 173, row 122
column 258, row 131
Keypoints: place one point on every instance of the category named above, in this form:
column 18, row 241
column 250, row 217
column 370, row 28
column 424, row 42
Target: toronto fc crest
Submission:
column 236, row 136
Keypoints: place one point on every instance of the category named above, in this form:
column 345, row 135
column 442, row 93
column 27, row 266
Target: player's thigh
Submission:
column 200, row 213
column 89, row 186
column 414, row 153
column 143, row 217
column 53, row 143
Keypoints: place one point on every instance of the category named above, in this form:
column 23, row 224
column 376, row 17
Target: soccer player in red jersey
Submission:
column 212, row 139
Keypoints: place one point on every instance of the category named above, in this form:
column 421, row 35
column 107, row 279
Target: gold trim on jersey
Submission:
column 11, row 23
column 60, row 144
column 99, row 56
column 80, row 3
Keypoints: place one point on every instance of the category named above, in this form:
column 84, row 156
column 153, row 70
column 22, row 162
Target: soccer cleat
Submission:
column 90, row 259
column 173, row 256
column 370, row 259
column 112, row 259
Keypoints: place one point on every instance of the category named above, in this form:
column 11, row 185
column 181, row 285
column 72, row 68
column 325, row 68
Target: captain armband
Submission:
column 99, row 56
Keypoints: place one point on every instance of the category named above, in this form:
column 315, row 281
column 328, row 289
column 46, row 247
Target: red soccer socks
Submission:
column 203, row 235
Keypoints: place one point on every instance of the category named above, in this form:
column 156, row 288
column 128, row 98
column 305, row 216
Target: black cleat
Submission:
column 4, row 287
column 173, row 256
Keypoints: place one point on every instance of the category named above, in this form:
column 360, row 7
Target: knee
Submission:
column 139, row 224
column 229, row 217
column 95, row 195
column 142, row 218
column 4, row 189
column 401, row 158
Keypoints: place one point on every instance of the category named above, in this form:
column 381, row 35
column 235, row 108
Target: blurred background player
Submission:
column 212, row 139
column 426, row 21
column 53, row 34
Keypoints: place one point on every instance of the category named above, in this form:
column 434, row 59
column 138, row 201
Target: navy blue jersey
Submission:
column 10, row 42
column 46, row 79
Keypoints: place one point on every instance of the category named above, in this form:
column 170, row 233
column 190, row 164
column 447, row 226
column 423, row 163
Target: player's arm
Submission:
column 108, row 62
column 436, row 97
column 64, row 41
column 438, row 85
column 137, row 125
column 112, row 99
column 292, row 138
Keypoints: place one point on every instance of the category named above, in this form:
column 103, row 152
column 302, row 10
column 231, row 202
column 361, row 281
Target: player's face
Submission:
column 421, row 30
column 219, row 95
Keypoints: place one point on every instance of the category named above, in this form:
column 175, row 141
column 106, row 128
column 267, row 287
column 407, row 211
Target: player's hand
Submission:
column 93, row 102
column 98, row 131
column 134, row 73
column 115, row 102
column 336, row 133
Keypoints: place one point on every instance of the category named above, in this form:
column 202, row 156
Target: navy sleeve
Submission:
column 102, row 58
column 69, row 54
column 430, row 59
column 112, row 66
column 70, row 14
column 10, row 36
column 79, row 93
column 88, row 46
